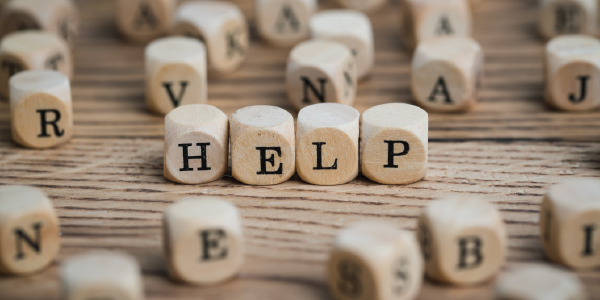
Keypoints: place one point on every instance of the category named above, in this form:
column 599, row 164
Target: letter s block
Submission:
column 29, row 230
column 284, row 22
column 144, row 20
column 558, row 17
column 203, row 240
column 539, row 282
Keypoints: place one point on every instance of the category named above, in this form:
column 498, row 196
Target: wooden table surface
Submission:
column 108, row 189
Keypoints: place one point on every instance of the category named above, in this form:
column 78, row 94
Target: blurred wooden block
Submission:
column 175, row 73
column 262, row 145
column 327, row 144
column 41, row 109
column 367, row 6
column 284, row 22
column 321, row 71
column 372, row 261
column 144, row 20
column 463, row 240
column 558, row 17
column 196, row 144
column 29, row 230
column 446, row 73
column 394, row 143
column 538, row 282
column 203, row 240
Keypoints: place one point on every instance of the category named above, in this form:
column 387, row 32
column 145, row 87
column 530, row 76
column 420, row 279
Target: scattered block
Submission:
column 367, row 6
column 538, row 282
column 558, row 17
column 284, row 22
column 144, row 20
column 327, row 144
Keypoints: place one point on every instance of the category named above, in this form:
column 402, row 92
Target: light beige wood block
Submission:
column 196, row 144
column 558, row 17
column 29, row 230
column 463, row 240
column 144, row 20
column 327, row 144
column 221, row 26
column 351, row 28
column 101, row 275
column 262, row 145
column 570, row 223
column 367, row 6
column 41, row 110
column 538, row 282
column 321, row 71
column 374, row 261
column 393, row 143
column 203, row 240
column 284, row 23
column 175, row 73
column 447, row 73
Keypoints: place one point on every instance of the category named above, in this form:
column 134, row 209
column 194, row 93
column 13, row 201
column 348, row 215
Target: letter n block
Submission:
column 29, row 230
column 284, row 22
column 203, row 240
column 563, row 17
column 144, row 20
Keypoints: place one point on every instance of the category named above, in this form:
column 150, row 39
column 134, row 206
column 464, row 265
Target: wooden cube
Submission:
column 446, row 73
column 221, row 26
column 558, row 17
column 29, row 230
column 538, row 282
column 284, row 22
column 394, row 143
column 351, row 28
column 321, row 71
column 101, row 275
column 203, row 240
column 196, row 144
column 367, row 6
column 144, row 20
column 463, row 240
column 41, row 109
column 373, row 261
column 327, row 144
column 175, row 73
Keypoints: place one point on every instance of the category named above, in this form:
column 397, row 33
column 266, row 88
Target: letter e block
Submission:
column 558, row 17
column 144, row 20
column 538, row 282
column 284, row 22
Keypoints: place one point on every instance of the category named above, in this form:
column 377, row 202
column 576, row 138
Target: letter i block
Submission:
column 559, row 17
column 144, row 20
column 29, row 230
column 203, row 240
column 463, row 240
column 539, row 282
column 372, row 261
column 284, row 22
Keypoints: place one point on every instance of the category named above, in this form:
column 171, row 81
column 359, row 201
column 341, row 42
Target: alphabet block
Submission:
column 558, row 17
column 321, row 71
column 41, row 109
column 463, row 240
column 372, row 261
column 538, row 282
column 144, row 20
column 367, row 6
column 203, row 240
column 327, row 144
column 222, row 27
column 101, row 275
column 262, row 145
column 29, row 230
column 192, row 130
column 446, row 73
column 394, row 143
column 284, row 22
column 351, row 28
column 175, row 73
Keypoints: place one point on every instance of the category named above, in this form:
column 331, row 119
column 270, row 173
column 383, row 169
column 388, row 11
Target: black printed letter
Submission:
column 176, row 101
column 588, row 249
column 271, row 159
column 308, row 85
column 349, row 283
column 214, row 244
column 582, row 90
column 469, row 246
column 186, row 157
column 440, row 84
column 21, row 236
column 44, row 122
column 391, row 153
column 320, row 159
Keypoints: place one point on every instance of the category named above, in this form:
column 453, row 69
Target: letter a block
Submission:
column 29, row 230
column 144, row 20
column 559, row 17
column 539, row 282
column 372, row 261
column 284, row 22
column 463, row 240
column 394, row 143
column 203, row 240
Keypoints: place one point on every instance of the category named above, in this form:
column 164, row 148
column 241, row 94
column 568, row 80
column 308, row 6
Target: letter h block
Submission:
column 563, row 17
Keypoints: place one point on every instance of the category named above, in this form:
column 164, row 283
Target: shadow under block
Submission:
column 393, row 145
column 367, row 6
column 447, row 73
column 101, row 275
column 373, row 261
column 463, row 240
column 41, row 109
column 327, row 144
column 284, row 22
column 144, row 20
column 203, row 240
column 558, row 17
column 538, row 282
column 29, row 230
column 321, row 71
column 196, row 144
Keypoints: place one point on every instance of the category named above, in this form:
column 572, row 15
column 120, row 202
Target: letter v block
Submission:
column 29, row 230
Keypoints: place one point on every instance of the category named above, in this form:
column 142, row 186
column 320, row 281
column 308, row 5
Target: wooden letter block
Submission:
column 367, row 6
column 446, row 73
column 196, row 144
column 262, row 145
column 175, row 73
column 144, row 20
column 101, row 275
column 559, row 17
column 41, row 109
column 463, row 240
column 222, row 27
column 29, row 230
column 394, row 143
column 327, row 144
column 351, row 28
column 203, row 240
column 539, row 282
column 570, row 223
column 321, row 71
column 284, row 22
column 372, row 261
